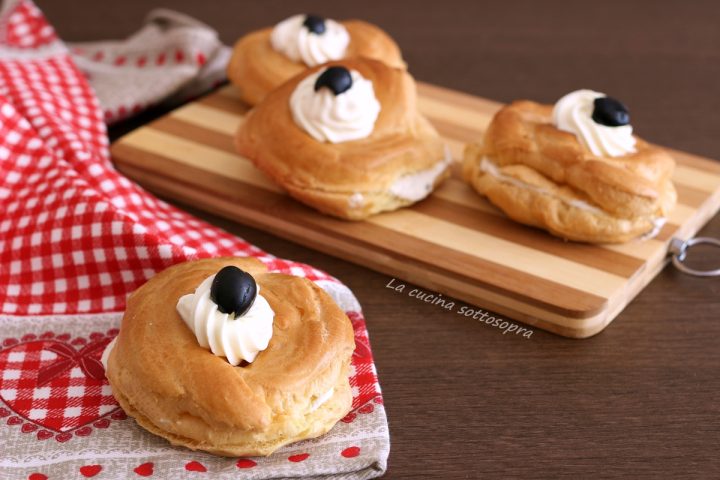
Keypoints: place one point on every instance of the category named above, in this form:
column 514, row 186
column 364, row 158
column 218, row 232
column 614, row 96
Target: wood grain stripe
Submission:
column 502, row 227
column 199, row 114
column 490, row 248
column 455, row 242
column 202, row 157
column 211, row 159
column 222, row 102
column 267, row 207
column 452, row 190
column 455, row 134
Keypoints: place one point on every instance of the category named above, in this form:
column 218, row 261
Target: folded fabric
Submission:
column 76, row 238
column 171, row 59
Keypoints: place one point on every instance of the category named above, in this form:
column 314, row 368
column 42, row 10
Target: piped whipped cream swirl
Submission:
column 573, row 113
column 291, row 38
column 327, row 117
column 235, row 338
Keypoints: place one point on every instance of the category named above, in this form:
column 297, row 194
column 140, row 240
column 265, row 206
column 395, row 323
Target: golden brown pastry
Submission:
column 574, row 169
column 265, row 59
column 295, row 388
column 347, row 139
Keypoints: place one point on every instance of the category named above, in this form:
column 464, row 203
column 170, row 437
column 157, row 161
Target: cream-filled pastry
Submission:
column 265, row 59
column 574, row 169
column 207, row 362
column 346, row 138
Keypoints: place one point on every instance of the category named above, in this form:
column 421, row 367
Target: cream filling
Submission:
column 418, row 185
column 658, row 224
column 489, row 167
column 106, row 353
column 356, row 200
column 319, row 401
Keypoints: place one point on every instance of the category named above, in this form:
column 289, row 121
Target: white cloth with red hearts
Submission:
column 76, row 238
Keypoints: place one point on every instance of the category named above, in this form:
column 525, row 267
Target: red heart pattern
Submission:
column 58, row 385
column 350, row 452
column 195, row 467
column 89, row 471
column 299, row 458
column 144, row 470
column 245, row 463
column 110, row 241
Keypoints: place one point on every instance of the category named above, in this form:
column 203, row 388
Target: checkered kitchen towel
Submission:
column 76, row 238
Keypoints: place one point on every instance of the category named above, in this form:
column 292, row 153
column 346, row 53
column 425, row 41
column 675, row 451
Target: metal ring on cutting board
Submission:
column 679, row 249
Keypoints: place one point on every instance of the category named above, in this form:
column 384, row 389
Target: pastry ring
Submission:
column 542, row 176
column 256, row 68
column 398, row 163
column 296, row 388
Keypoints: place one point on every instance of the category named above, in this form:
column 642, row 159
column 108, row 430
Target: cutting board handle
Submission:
column 679, row 249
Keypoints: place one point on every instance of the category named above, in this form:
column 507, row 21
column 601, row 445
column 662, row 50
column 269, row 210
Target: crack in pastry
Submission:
column 351, row 154
column 176, row 387
column 265, row 59
column 560, row 170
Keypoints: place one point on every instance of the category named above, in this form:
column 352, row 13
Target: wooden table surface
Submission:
column 640, row 400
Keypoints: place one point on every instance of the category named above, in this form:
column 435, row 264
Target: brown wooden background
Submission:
column 640, row 400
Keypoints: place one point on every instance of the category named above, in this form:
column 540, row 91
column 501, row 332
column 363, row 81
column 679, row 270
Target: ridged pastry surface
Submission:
column 327, row 175
column 257, row 69
column 548, row 179
column 181, row 391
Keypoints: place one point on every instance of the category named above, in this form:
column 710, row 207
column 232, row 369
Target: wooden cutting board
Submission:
column 454, row 242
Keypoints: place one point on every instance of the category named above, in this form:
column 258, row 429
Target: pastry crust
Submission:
column 182, row 392
column 546, row 178
column 330, row 176
column 257, row 69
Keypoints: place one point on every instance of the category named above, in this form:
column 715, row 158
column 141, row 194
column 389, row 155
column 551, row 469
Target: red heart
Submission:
column 118, row 415
column 96, row 336
column 43, row 366
column 9, row 341
column 378, row 400
column 63, row 337
column 28, row 427
column 79, row 341
column 144, row 470
column 29, row 336
column 83, row 432
column 37, row 476
column 14, row 421
column 367, row 408
column 350, row 452
column 245, row 463
column 102, row 423
column 195, row 467
column 90, row 470
column 44, row 435
column 63, row 437
column 348, row 418
column 299, row 458
column 47, row 335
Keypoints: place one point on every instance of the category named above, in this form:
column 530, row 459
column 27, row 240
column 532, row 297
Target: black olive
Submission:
column 337, row 79
column 610, row 112
column 315, row 24
column 233, row 290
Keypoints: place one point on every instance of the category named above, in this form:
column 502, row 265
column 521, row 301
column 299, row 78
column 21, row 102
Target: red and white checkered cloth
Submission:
column 76, row 238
